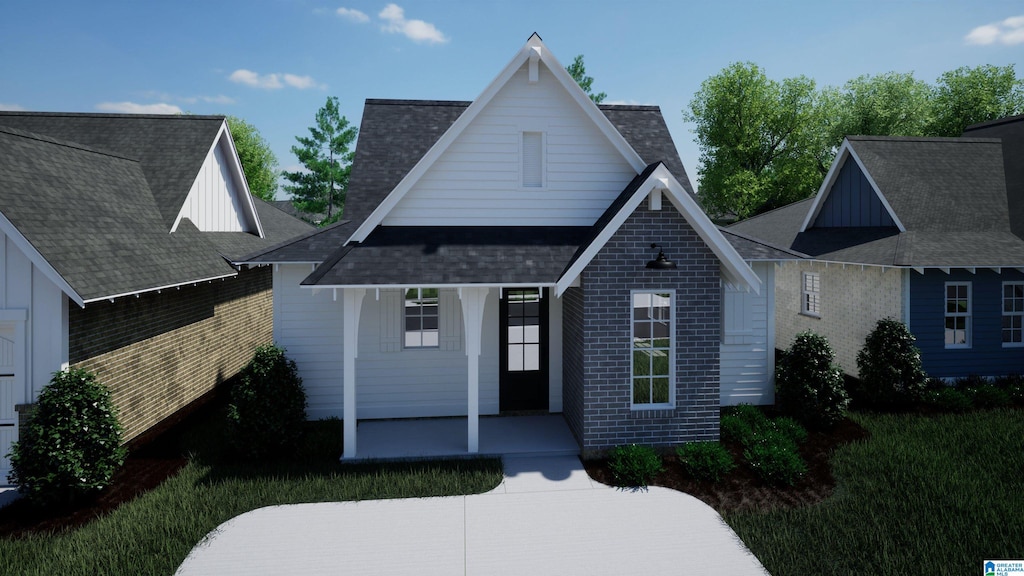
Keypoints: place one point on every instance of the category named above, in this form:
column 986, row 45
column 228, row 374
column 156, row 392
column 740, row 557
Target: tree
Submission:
column 579, row 73
column 763, row 143
column 327, row 160
column 258, row 160
column 967, row 96
column 890, row 104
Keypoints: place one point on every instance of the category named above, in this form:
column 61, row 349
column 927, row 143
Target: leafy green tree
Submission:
column 967, row 96
column 579, row 73
column 258, row 160
column 890, row 104
column 762, row 142
column 321, row 187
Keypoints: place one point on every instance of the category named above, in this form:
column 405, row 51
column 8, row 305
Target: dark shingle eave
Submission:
column 261, row 256
column 792, row 254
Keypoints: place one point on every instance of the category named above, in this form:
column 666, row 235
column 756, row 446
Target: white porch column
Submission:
column 352, row 305
column 473, row 300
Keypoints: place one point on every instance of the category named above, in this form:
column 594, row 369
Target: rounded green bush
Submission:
column 633, row 465
column 889, row 365
column 71, row 446
column 268, row 405
column 990, row 396
column 1014, row 386
column 809, row 385
column 705, row 460
column 774, row 458
column 948, row 399
column 789, row 428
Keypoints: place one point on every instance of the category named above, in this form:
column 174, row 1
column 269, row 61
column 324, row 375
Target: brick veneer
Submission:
column 853, row 299
column 598, row 337
column 160, row 351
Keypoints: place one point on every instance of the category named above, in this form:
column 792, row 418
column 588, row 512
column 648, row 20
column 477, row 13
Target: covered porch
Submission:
column 533, row 435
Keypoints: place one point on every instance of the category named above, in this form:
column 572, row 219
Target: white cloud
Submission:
column 11, row 107
column 1009, row 32
column 272, row 81
column 353, row 15
column 416, row 30
column 134, row 108
column 218, row 99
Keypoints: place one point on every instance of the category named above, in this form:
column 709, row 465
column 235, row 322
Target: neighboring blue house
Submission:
column 925, row 230
column 495, row 259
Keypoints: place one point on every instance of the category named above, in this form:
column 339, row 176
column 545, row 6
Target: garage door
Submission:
column 9, row 396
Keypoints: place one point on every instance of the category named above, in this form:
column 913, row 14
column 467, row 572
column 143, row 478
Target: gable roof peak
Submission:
column 534, row 35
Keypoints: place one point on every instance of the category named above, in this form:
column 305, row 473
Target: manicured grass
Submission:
column 922, row 495
column 154, row 533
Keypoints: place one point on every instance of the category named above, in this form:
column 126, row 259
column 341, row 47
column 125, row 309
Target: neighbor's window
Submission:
column 810, row 294
column 652, row 349
column 958, row 314
column 533, row 159
column 1013, row 314
column 421, row 318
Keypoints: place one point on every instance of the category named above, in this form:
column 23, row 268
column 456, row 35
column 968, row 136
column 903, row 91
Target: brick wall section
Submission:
column 852, row 301
column 160, row 351
column 608, row 419
column 572, row 361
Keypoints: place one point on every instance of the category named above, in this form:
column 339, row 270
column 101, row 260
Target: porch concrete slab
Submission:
column 544, row 434
column 576, row 531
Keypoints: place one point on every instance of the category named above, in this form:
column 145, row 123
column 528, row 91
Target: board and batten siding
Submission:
column 852, row 202
column 986, row 355
column 748, row 342
column 308, row 325
column 477, row 180
column 214, row 203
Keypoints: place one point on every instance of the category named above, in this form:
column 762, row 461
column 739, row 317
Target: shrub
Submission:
column 790, row 428
column 740, row 423
column 948, row 399
column 268, row 405
column 705, row 460
column 71, row 446
column 990, row 396
column 809, row 385
column 774, row 458
column 889, row 365
column 1014, row 386
column 634, row 465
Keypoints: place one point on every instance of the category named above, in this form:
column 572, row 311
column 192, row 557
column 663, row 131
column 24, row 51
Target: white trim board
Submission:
column 534, row 48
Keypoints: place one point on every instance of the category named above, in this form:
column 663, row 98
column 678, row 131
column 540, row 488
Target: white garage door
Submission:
column 9, row 396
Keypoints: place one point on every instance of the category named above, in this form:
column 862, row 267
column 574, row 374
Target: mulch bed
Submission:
column 742, row 490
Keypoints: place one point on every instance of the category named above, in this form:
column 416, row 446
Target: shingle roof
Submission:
column 754, row 250
column 171, row 149
column 949, row 193
column 92, row 216
column 395, row 134
column 92, row 213
column 428, row 255
column 314, row 246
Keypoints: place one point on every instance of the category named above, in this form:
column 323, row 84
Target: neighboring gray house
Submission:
column 117, row 237
column 929, row 231
column 494, row 259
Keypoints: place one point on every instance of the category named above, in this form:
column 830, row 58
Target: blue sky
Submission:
column 274, row 62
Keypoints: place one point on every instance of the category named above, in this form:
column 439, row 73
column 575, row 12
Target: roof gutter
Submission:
column 137, row 293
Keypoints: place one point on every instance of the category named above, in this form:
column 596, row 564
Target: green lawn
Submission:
column 923, row 495
column 154, row 533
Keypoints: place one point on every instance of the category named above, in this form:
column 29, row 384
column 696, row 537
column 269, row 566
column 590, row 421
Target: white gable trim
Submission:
column 737, row 272
column 533, row 49
column 846, row 151
column 37, row 259
column 235, row 166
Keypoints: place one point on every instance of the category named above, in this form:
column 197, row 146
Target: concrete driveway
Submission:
column 546, row 517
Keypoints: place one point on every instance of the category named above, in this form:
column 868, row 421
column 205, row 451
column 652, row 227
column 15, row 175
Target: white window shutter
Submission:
column 533, row 159
column 450, row 320
column 391, row 319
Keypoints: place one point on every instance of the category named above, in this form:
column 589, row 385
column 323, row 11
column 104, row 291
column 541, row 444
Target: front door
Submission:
column 524, row 350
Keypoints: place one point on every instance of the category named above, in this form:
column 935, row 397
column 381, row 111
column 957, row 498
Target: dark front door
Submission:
column 524, row 350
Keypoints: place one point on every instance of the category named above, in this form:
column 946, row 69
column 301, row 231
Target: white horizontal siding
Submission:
column 477, row 180
column 214, row 203
column 308, row 325
column 747, row 350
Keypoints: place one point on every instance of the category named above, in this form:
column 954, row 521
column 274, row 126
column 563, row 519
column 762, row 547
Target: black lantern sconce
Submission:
column 661, row 263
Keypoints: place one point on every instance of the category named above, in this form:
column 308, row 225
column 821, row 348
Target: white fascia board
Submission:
column 113, row 297
column 846, row 151
column 429, row 285
column 37, row 259
column 532, row 48
column 737, row 271
column 235, row 166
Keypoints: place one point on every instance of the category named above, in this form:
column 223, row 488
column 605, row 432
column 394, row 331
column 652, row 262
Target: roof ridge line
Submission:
column 112, row 115
column 63, row 143
column 763, row 243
